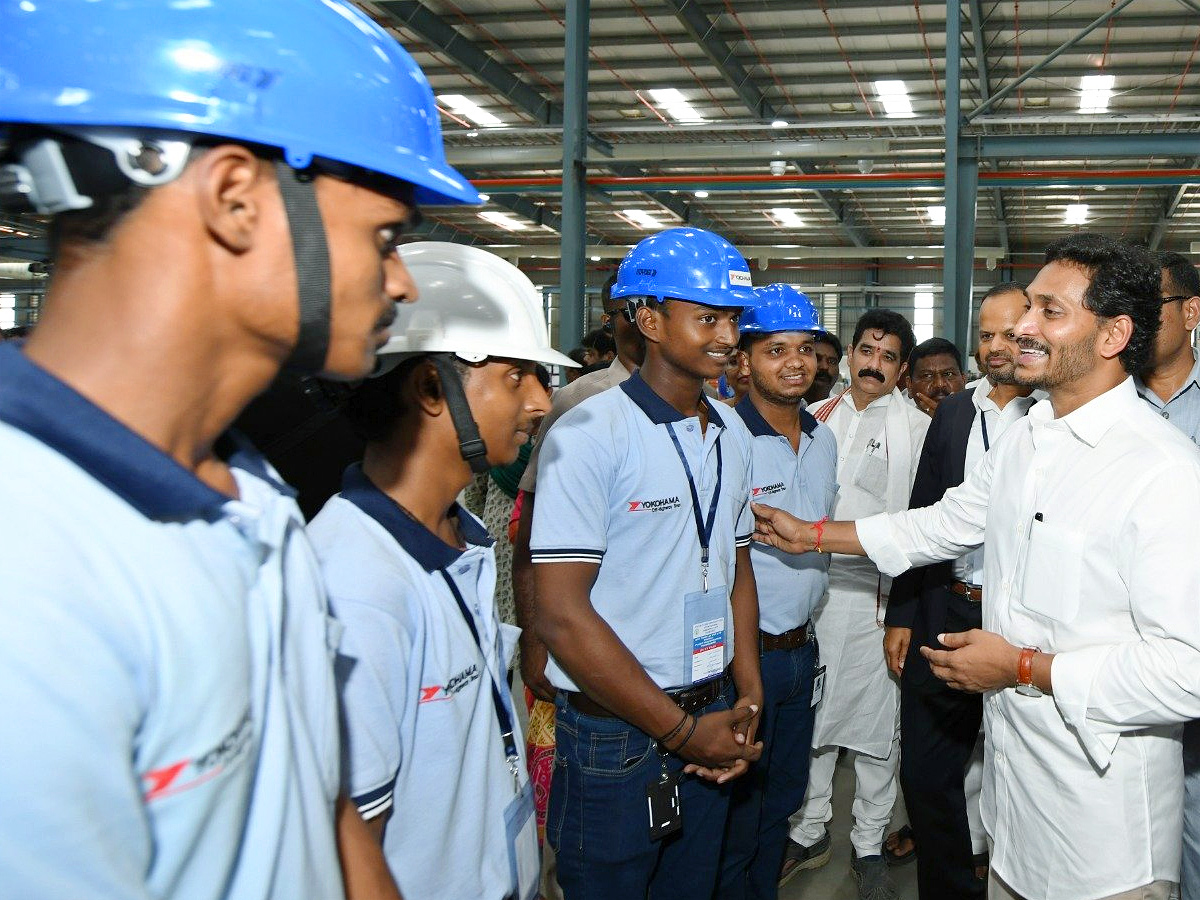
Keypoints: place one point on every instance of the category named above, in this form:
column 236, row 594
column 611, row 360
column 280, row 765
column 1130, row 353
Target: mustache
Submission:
column 1028, row 343
column 871, row 373
column 387, row 318
column 822, row 376
column 1001, row 357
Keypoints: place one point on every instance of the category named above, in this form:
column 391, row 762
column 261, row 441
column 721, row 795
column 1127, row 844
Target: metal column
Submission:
column 574, row 176
column 962, row 182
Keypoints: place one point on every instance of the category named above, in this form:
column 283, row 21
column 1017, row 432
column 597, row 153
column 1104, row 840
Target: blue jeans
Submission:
column 598, row 822
column 1189, row 878
column 756, row 834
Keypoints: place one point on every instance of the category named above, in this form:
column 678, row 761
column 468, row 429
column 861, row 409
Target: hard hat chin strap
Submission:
column 470, row 444
column 311, row 255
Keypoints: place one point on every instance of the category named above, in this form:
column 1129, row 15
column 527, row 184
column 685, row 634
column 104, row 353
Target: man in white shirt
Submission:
column 879, row 439
column 940, row 771
column 1091, row 578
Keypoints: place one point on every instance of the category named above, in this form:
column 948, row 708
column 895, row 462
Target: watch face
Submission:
column 1029, row 690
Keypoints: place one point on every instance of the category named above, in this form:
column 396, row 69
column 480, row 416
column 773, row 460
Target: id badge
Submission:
column 662, row 799
column 706, row 638
column 524, row 861
column 818, row 686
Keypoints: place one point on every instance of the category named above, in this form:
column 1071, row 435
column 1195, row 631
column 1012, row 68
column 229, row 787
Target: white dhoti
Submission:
column 878, row 452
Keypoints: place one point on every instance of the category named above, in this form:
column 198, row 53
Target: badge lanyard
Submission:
column 704, row 528
column 502, row 714
column 983, row 428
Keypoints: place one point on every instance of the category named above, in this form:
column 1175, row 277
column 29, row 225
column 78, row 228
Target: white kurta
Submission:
column 878, row 451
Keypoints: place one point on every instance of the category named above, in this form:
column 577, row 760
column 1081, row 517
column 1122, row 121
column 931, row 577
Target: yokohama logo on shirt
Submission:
column 436, row 692
column 767, row 489
column 194, row 771
column 659, row 505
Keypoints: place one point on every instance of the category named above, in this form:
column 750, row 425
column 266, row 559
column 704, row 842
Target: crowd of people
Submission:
column 728, row 567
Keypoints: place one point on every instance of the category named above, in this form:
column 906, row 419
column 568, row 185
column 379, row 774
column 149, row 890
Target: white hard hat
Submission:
column 470, row 303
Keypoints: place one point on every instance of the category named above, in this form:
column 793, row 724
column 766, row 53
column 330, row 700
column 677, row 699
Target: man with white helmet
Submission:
column 641, row 545
column 227, row 181
column 430, row 726
column 795, row 468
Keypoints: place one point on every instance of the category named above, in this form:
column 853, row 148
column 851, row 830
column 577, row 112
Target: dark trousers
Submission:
column 598, row 821
column 773, row 789
column 938, row 730
column 1189, row 876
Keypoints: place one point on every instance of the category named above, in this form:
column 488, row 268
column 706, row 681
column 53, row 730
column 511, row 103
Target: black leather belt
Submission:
column 789, row 640
column 972, row 592
column 690, row 700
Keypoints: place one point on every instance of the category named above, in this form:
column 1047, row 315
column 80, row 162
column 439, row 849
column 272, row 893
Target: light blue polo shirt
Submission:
column 421, row 731
column 1183, row 408
column 166, row 668
column 804, row 484
column 611, row 489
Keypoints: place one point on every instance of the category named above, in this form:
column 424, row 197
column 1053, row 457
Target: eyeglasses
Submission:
column 1174, row 297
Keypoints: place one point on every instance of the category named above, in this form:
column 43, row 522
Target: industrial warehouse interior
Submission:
column 876, row 155
column 839, row 144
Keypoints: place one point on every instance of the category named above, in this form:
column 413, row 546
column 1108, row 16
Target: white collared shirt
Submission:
column 969, row 566
column 1091, row 556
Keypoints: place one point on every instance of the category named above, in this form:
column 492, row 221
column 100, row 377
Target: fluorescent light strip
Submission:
column 894, row 97
column 787, row 217
column 504, row 220
column 937, row 215
column 1094, row 93
column 676, row 105
column 1076, row 214
column 472, row 110
column 641, row 218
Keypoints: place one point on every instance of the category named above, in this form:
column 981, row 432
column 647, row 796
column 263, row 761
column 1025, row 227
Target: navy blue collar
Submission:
column 658, row 410
column 759, row 427
column 35, row 402
column 429, row 550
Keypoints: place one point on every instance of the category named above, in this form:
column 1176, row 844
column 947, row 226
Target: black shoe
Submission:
column 871, row 874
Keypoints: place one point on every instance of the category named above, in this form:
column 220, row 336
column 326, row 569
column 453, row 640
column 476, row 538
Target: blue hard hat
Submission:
column 314, row 78
column 686, row 264
column 780, row 307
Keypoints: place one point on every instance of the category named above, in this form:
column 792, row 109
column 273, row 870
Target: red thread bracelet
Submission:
column 820, row 529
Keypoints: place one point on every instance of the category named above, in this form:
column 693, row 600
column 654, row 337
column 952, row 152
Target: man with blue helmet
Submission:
column 795, row 467
column 641, row 545
column 227, row 182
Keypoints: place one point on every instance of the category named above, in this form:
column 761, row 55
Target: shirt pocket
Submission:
column 871, row 474
column 1052, row 571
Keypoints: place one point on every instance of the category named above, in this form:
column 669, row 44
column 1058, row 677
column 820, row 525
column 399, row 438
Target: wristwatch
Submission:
column 1025, row 683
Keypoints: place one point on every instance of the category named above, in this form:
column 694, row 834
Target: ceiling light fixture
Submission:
column 1094, row 93
column 937, row 215
column 1076, row 214
column 700, row 195
column 894, row 97
column 676, row 105
column 472, row 110
column 641, row 218
column 504, row 220
column 787, row 217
